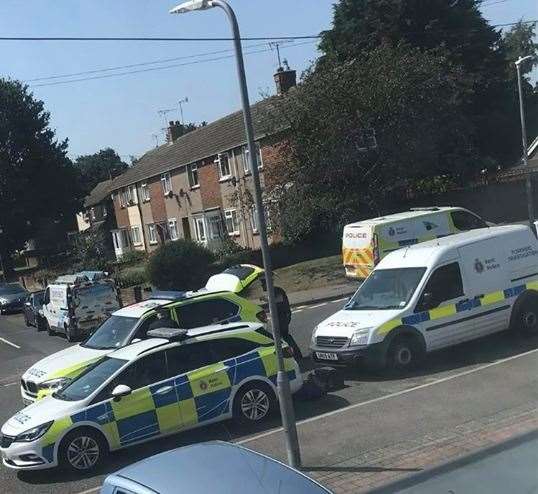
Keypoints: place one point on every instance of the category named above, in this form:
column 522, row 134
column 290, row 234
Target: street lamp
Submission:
column 528, row 182
column 283, row 384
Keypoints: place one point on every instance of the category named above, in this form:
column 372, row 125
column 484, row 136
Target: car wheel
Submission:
column 26, row 321
column 82, row 450
column 525, row 318
column 254, row 402
column 405, row 353
column 46, row 326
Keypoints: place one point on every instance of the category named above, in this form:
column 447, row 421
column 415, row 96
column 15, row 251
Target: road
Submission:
column 371, row 410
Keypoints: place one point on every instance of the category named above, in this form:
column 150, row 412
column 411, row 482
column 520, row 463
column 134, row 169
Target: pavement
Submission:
column 377, row 428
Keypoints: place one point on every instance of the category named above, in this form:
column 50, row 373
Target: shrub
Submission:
column 179, row 265
column 132, row 257
column 132, row 276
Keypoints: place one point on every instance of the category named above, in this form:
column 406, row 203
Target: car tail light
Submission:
column 287, row 352
column 376, row 248
column 261, row 316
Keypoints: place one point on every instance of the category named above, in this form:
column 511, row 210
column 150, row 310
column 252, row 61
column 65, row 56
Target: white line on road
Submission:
column 9, row 384
column 298, row 310
column 339, row 300
column 10, row 344
column 316, row 306
column 392, row 395
column 93, row 489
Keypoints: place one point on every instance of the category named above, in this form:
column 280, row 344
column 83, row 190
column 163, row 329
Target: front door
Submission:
column 186, row 228
column 152, row 407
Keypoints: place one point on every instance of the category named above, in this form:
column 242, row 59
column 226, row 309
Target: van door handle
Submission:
column 164, row 390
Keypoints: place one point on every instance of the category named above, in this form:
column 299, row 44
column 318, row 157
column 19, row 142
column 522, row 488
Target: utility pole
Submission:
column 528, row 179
column 180, row 104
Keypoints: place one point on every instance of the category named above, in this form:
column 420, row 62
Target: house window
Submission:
column 200, row 229
column 92, row 214
column 115, row 239
column 105, row 211
column 123, row 200
column 133, row 194
column 223, row 164
column 172, row 227
column 254, row 219
column 166, row 182
column 215, row 227
column 232, row 221
column 125, row 239
column 152, row 234
column 246, row 164
column 193, row 175
column 135, row 235
column 145, row 192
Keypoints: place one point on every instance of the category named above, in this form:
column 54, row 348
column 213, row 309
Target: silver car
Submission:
column 214, row 467
column 12, row 297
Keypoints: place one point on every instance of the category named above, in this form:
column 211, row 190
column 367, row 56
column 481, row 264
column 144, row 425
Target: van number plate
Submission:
column 326, row 356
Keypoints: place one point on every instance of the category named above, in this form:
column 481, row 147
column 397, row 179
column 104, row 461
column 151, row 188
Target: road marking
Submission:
column 339, row 300
column 9, row 384
column 10, row 344
column 392, row 395
column 298, row 310
column 93, row 489
column 316, row 306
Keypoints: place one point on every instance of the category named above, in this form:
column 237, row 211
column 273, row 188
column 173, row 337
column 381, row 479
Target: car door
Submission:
column 206, row 312
column 443, row 306
column 152, row 407
column 202, row 382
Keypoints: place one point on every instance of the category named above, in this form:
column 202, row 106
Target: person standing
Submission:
column 284, row 318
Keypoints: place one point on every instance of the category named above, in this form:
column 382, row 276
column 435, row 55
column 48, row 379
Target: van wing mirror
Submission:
column 428, row 301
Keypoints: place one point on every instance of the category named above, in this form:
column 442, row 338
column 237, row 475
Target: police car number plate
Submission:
column 326, row 356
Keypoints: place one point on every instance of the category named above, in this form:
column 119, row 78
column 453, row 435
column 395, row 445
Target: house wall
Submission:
column 82, row 224
column 122, row 216
column 136, row 220
column 187, row 204
column 208, row 177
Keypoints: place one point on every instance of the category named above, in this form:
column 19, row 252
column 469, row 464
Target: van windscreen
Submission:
column 386, row 289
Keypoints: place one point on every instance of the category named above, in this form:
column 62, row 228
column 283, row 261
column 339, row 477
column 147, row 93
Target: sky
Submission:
column 123, row 112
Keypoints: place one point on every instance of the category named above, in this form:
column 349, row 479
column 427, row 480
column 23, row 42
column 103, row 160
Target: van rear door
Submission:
column 357, row 250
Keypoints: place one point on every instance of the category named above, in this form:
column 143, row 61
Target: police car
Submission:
column 131, row 323
column 434, row 295
column 176, row 380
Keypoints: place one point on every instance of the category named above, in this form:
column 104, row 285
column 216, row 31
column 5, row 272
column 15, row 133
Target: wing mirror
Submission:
column 120, row 391
column 28, row 304
column 428, row 301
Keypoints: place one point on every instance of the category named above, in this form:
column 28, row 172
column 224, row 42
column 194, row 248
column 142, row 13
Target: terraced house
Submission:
column 197, row 186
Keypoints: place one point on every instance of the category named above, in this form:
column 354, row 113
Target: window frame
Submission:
column 419, row 307
column 173, row 221
column 166, row 183
column 201, row 306
column 200, row 220
column 192, row 173
column 138, row 234
column 229, row 214
column 245, row 153
column 144, row 189
column 479, row 221
column 219, row 160
column 153, row 237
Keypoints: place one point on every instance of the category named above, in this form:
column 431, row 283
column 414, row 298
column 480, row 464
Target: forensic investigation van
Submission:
column 436, row 294
column 366, row 242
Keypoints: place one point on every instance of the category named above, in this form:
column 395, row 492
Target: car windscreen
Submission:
column 38, row 298
column 113, row 333
column 90, row 380
column 11, row 288
column 386, row 289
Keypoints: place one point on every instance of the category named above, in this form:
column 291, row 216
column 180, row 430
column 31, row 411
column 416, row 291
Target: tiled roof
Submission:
column 519, row 170
column 222, row 135
column 98, row 193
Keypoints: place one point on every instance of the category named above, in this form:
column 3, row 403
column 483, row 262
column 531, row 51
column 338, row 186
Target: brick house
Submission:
column 197, row 186
column 97, row 207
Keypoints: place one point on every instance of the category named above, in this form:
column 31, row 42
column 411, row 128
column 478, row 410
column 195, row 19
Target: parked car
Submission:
column 366, row 242
column 214, row 467
column 12, row 297
column 33, row 310
column 131, row 323
column 434, row 295
column 173, row 381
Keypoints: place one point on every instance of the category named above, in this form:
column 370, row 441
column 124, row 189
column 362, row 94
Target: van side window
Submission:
column 464, row 221
column 444, row 284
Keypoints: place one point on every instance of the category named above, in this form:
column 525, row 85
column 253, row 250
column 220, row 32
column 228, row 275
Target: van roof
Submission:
column 433, row 251
column 413, row 213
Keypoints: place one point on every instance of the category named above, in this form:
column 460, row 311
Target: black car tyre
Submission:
column 26, row 321
column 405, row 353
column 525, row 315
column 46, row 326
column 82, row 450
column 254, row 402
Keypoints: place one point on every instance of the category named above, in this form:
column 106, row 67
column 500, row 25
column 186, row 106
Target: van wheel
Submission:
column 46, row 326
column 525, row 318
column 82, row 450
column 254, row 402
column 405, row 353
column 68, row 333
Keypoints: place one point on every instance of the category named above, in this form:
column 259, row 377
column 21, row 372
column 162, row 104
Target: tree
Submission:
column 517, row 42
column 94, row 168
column 37, row 179
column 458, row 31
column 334, row 171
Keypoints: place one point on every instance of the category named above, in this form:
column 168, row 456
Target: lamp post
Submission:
column 283, row 385
column 528, row 182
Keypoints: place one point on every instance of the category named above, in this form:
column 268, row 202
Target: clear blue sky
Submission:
column 121, row 112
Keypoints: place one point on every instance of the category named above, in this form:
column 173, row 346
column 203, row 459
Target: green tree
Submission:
column 103, row 165
column 458, row 31
column 517, row 42
column 37, row 180
column 332, row 172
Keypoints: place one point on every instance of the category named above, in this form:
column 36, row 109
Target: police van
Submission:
column 365, row 243
column 74, row 305
column 174, row 381
column 436, row 294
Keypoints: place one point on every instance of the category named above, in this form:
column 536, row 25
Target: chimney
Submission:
column 285, row 78
column 175, row 131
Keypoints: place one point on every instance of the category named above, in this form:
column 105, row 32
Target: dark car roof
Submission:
column 218, row 467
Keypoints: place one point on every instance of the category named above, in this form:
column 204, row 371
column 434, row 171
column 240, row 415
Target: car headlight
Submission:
column 54, row 384
column 360, row 337
column 313, row 339
column 3, row 301
column 34, row 433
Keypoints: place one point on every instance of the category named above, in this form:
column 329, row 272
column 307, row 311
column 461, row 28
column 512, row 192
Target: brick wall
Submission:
column 122, row 216
column 208, row 177
column 158, row 208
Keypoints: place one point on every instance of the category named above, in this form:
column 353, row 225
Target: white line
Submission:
column 392, row 395
column 318, row 305
column 93, row 489
column 302, row 307
column 298, row 310
column 339, row 300
column 9, row 384
column 10, row 344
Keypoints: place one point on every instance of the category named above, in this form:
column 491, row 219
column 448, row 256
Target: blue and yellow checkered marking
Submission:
column 451, row 309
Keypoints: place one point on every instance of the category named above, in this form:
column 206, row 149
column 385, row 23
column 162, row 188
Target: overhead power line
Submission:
column 119, row 38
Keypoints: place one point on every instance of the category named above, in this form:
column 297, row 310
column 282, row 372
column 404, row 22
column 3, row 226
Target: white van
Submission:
column 365, row 243
column 74, row 305
column 436, row 294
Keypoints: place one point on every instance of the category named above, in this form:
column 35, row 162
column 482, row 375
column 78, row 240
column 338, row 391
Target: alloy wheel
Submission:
column 255, row 404
column 83, row 453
